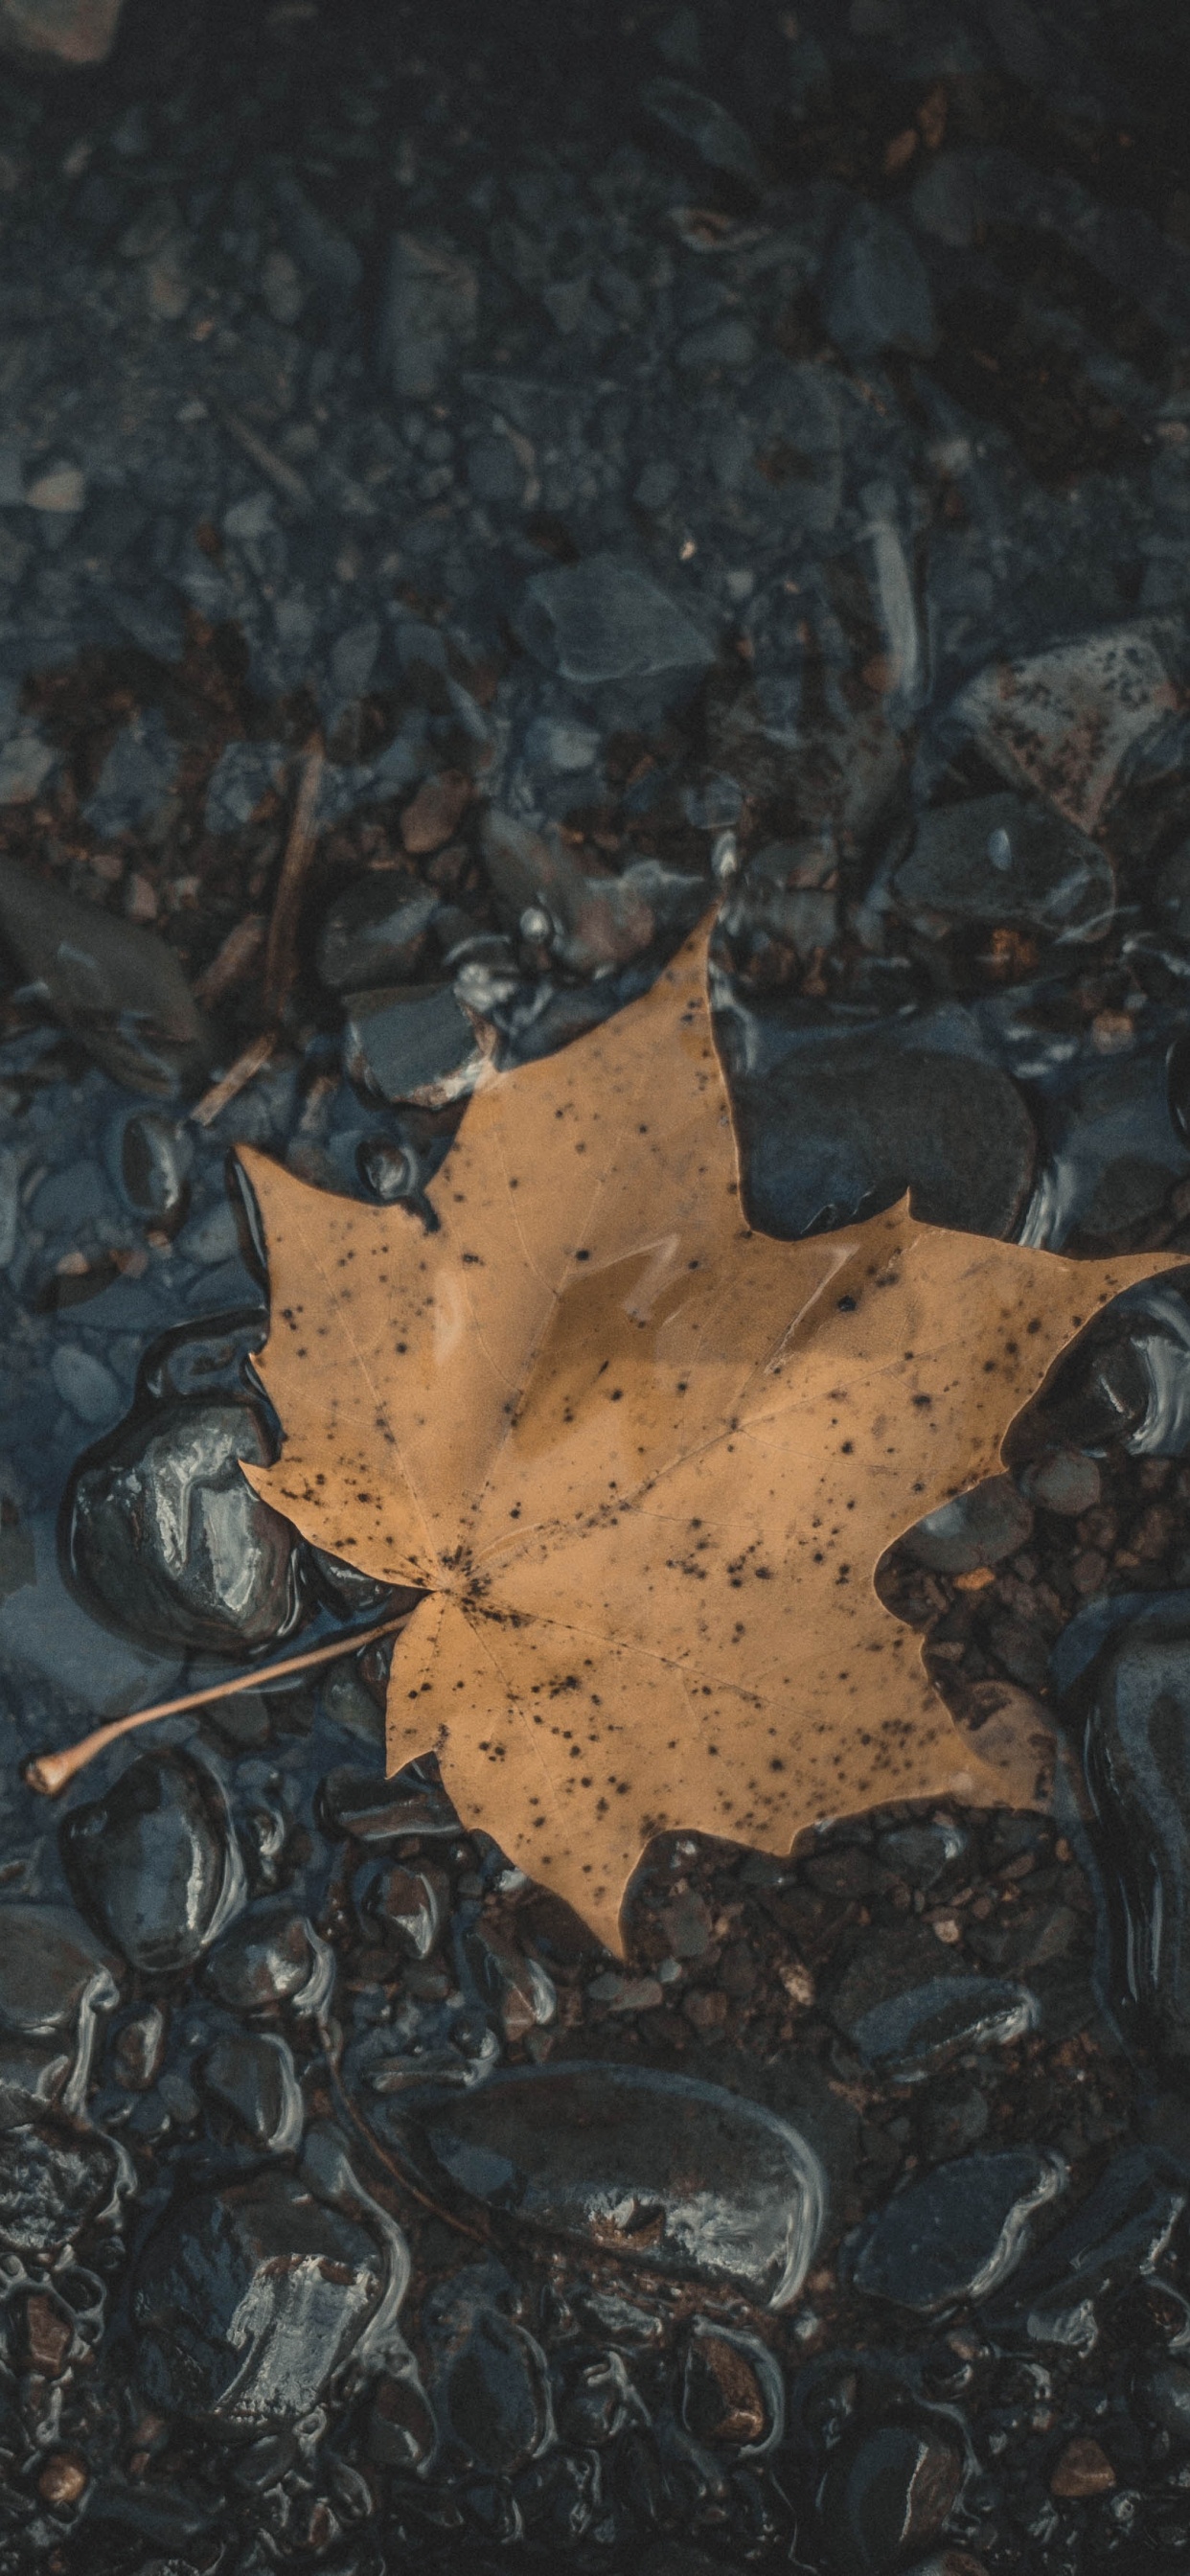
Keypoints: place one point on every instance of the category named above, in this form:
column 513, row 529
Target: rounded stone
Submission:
column 167, row 1539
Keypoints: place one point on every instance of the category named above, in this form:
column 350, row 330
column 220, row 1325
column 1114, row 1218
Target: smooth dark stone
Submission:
column 253, row 2075
column 704, row 124
column 51, row 2182
column 113, row 985
column 50, row 1965
column 693, row 2180
column 733, row 2395
column 388, row 1170
column 981, row 1527
column 887, row 2492
column 409, row 1906
column 1167, row 2394
column 168, row 1538
column 613, row 636
column 843, row 1128
column 1005, row 858
column 33, row 2078
column 493, row 2390
column 955, row 2233
column 597, row 2402
column 412, row 1042
column 1119, row 2231
column 951, row 2123
column 514, row 1987
column 1137, row 1755
column 272, row 1956
column 401, row 2432
column 154, row 1863
column 377, row 1811
column 246, row 2300
column 920, row 1853
column 875, row 292
column 375, row 934
column 912, row 2033
column 153, row 1165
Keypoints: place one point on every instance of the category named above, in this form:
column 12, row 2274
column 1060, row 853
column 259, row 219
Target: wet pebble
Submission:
column 615, row 636
column 920, row 1853
column 1138, row 1765
column 1065, row 1481
column 1166, row 2392
column 1118, row 2234
column 152, row 1158
column 912, row 2033
column 733, row 2395
column 695, row 2180
column 408, row 1903
column 112, row 984
column 272, row 1956
column 490, row 2381
column 136, row 776
column 955, row 2233
column 1008, row 858
column 376, row 1811
column 375, row 934
column 253, row 2076
column 413, row 1043
column 875, row 292
column 887, row 2493
column 84, row 1383
column 981, row 1527
column 52, row 2183
column 169, row 1538
column 155, row 1864
column 246, row 2300
column 842, row 1129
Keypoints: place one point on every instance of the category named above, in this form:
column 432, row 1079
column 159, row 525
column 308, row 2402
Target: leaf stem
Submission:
column 50, row 1773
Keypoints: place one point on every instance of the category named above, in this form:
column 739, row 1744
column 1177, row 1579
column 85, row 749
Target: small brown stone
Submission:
column 705, row 2011
column 48, row 2335
column 1082, row 2470
column 431, row 817
column 63, row 2479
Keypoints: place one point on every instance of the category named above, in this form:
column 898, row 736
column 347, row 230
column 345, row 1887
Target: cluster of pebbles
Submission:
column 470, row 505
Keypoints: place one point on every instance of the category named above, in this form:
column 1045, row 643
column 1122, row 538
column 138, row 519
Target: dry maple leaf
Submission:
column 642, row 1460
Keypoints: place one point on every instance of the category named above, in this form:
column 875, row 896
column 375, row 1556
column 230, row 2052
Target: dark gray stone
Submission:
column 844, row 1128
column 253, row 2076
column 428, row 314
column 980, row 1527
column 717, row 137
column 152, row 1159
column 1118, row 2233
column 912, row 2033
column 733, row 2395
column 415, row 1043
column 492, row 2387
column 887, row 2491
column 694, row 2180
column 246, row 2301
column 1166, row 2392
column 955, row 2233
column 51, row 1966
column 875, row 293
column 617, row 639
column 375, row 935
column 920, row 1853
column 272, row 1956
column 155, row 1864
column 33, row 2077
column 1137, row 1752
column 381, row 1813
column 113, row 985
column 168, row 1539
column 52, row 2182
column 1008, row 858
column 136, row 776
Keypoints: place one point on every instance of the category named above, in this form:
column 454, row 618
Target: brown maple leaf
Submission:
column 642, row 1460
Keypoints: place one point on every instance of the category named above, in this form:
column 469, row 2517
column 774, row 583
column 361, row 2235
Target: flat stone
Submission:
column 888, row 2490
column 956, row 2233
column 168, row 1537
column 1138, row 1761
column 428, row 314
column 51, row 1965
column 695, row 2181
column 253, row 2076
column 112, row 984
column 136, row 776
column 980, row 1527
column 271, row 1956
column 1117, row 2235
column 1065, row 1481
column 375, row 934
column 875, row 293
column 915, row 2032
column 85, row 1384
column 48, row 1640
column 845, row 1127
column 1008, row 858
column 246, row 2301
column 414, row 1043
column 70, row 32
column 612, row 634
column 490, row 2382
column 1060, row 724
column 154, row 1862
column 703, row 123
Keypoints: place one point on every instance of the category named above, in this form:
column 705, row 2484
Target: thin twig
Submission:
column 50, row 1773
column 280, row 956
column 286, row 479
column 256, row 1053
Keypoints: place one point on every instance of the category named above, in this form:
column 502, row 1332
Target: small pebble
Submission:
column 1082, row 2470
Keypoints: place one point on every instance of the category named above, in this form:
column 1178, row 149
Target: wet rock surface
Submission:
column 691, row 457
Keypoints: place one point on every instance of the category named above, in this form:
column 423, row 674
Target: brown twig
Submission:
column 50, row 1773
column 256, row 1053
column 292, row 485
column 280, row 956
